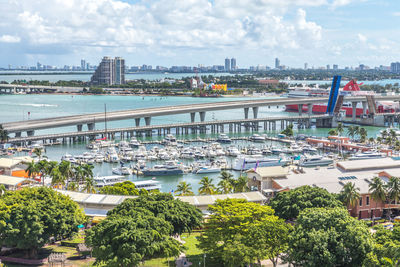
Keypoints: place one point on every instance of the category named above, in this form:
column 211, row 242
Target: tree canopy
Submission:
column 289, row 204
column 240, row 232
column 183, row 216
column 328, row 237
column 139, row 229
column 31, row 216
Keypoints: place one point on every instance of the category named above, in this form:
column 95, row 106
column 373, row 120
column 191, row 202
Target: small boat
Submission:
column 257, row 138
column 101, row 181
column 148, row 185
column 134, row 143
column 223, row 138
column 246, row 163
column 123, row 170
column 313, row 161
column 367, row 155
column 169, row 168
column 208, row 169
column 232, row 151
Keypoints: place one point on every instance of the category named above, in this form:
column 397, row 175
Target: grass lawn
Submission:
column 193, row 254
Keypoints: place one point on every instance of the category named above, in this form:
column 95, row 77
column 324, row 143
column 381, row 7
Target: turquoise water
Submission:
column 16, row 108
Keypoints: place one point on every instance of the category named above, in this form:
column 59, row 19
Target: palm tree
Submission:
column 350, row 195
column 333, row 132
column 56, row 177
column 184, row 189
column 41, row 167
column 226, row 176
column 207, row 187
column 351, row 131
column 363, row 134
column 241, row 184
column 87, row 170
column 79, row 173
column 3, row 134
column 393, row 190
column 89, row 185
column 393, row 134
column 2, row 189
column 378, row 192
column 225, row 187
column 72, row 186
column 39, row 153
column 357, row 130
column 31, row 169
column 66, row 170
column 384, row 134
column 339, row 128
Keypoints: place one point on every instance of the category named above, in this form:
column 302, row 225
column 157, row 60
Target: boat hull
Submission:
column 162, row 172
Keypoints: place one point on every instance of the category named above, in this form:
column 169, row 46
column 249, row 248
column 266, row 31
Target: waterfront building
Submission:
column 277, row 63
column 335, row 67
column 110, row 71
column 306, row 66
column 395, row 67
column 271, row 180
column 227, row 64
column 233, row 63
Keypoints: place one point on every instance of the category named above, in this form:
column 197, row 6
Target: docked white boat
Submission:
column 134, row 143
column 123, row 170
column 313, row 161
column 149, row 185
column 232, row 151
column 246, row 163
column 367, row 155
column 223, row 138
column 208, row 169
column 257, row 138
column 101, row 181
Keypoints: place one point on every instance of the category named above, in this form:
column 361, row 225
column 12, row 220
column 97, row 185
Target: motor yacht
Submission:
column 257, row 138
column 122, row 170
column 313, row 161
column 245, row 163
column 367, row 155
column 223, row 138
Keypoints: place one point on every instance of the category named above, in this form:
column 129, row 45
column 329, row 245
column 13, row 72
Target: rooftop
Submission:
column 11, row 180
column 369, row 164
column 270, row 172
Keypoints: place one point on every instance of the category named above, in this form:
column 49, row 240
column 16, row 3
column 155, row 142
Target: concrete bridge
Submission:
column 147, row 113
column 236, row 126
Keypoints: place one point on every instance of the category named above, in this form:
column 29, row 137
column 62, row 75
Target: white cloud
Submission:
column 362, row 38
column 164, row 23
column 9, row 39
column 396, row 14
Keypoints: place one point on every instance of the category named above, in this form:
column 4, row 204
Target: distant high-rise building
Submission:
column 110, row 71
column 83, row 64
column 395, row 67
column 305, row 65
column 119, row 70
column 233, row 63
column 361, row 67
column 227, row 64
column 39, row 66
column 87, row 66
column 335, row 67
column 277, row 63
column 328, row 67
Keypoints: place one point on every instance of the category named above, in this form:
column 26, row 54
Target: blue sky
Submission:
column 191, row 32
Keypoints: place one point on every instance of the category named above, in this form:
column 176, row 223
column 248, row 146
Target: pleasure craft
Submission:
column 367, row 155
column 223, row 138
column 101, row 181
column 149, row 185
column 232, row 151
column 123, row 170
column 245, row 163
column 257, row 138
column 312, row 161
column 134, row 143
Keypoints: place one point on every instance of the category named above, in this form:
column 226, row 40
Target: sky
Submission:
column 192, row 32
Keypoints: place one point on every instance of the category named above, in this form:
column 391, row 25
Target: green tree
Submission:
column 240, row 184
column 87, row 170
column 225, row 186
column 128, row 241
column 31, row 216
column 333, row 132
column 340, row 128
column 363, row 134
column 184, row 189
column 238, row 233
column 351, row 131
column 393, row 189
column 32, row 169
column 378, row 192
column 350, row 195
column 3, row 134
column 289, row 204
column 3, row 190
column 89, row 185
column 126, row 188
column 328, row 237
column 288, row 131
column 206, row 186
column 224, row 175
column 183, row 216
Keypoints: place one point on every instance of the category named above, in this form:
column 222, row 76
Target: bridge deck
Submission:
column 156, row 127
column 167, row 110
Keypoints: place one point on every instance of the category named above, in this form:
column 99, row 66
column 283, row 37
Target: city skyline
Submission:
column 162, row 32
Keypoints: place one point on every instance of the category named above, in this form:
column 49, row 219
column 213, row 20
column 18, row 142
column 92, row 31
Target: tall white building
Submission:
column 110, row 71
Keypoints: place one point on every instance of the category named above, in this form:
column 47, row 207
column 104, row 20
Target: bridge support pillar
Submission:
column 255, row 112
column 30, row 133
column 79, row 127
column 137, row 122
column 192, row 117
column 90, row 126
column 354, row 111
column 246, row 113
column 18, row 134
column 202, row 116
column 310, row 107
column 147, row 120
column 300, row 108
column 364, row 105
